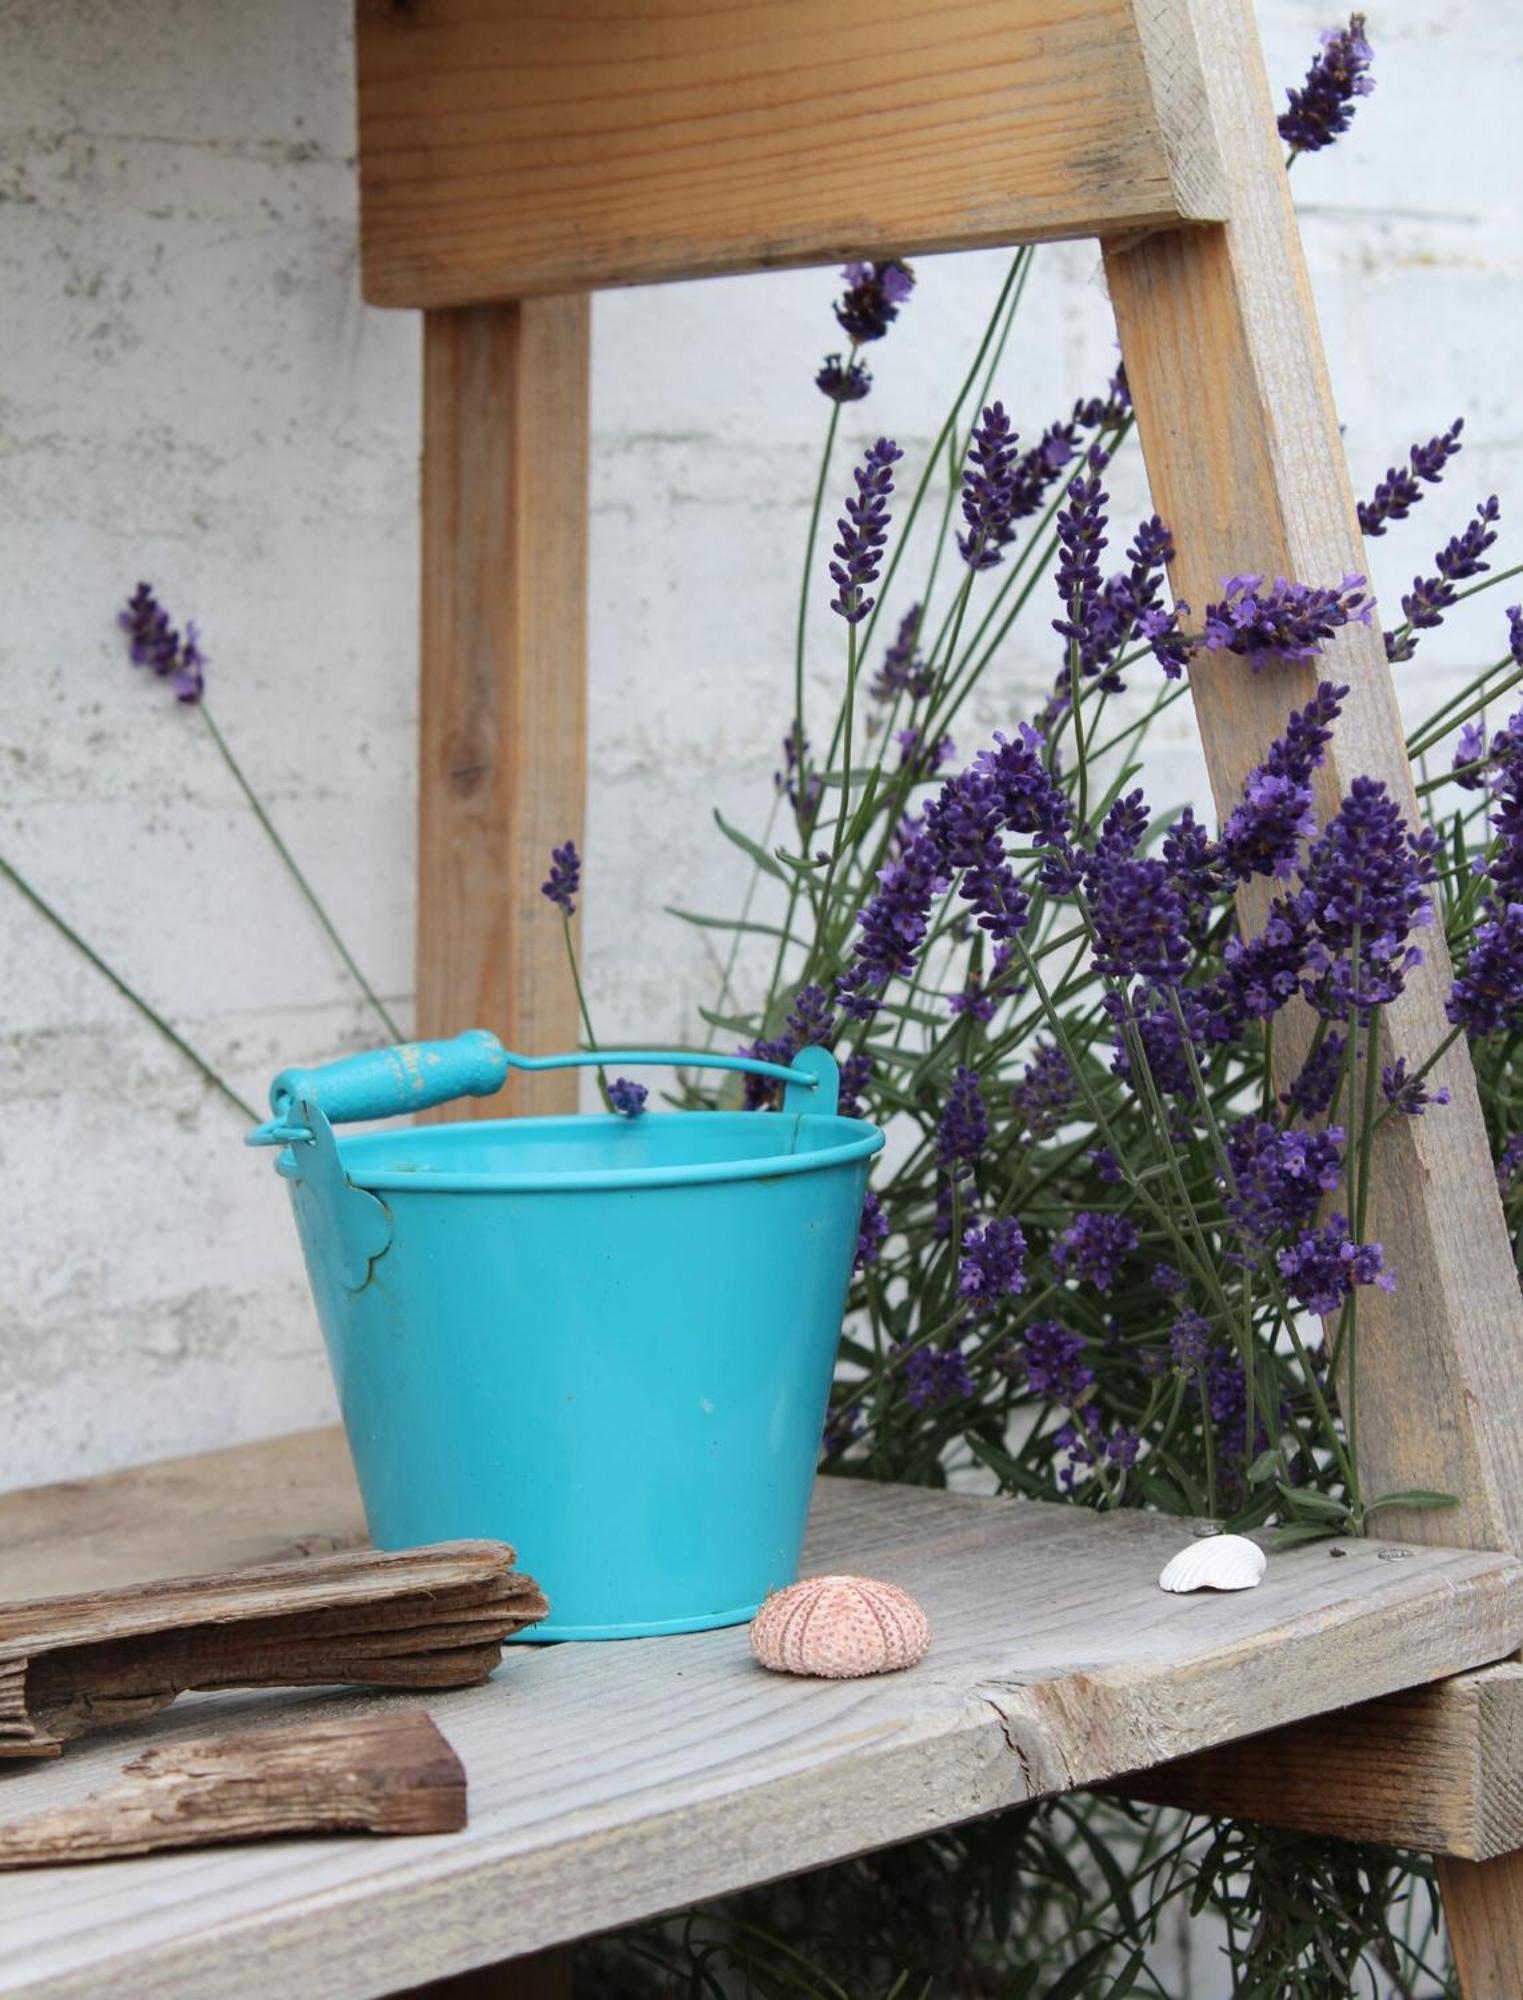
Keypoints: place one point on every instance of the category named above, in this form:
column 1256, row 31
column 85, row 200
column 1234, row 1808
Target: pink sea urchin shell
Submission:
column 839, row 1627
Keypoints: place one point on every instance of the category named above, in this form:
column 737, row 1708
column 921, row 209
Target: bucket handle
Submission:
column 387, row 1083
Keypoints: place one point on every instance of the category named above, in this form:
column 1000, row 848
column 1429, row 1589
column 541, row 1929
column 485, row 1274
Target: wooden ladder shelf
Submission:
column 513, row 159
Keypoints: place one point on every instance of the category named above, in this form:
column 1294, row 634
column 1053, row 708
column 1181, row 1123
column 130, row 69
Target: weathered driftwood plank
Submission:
column 1438, row 1768
column 1244, row 456
column 508, row 149
column 389, row 1773
column 612, row 1781
column 503, row 717
column 434, row 1617
column 274, row 1501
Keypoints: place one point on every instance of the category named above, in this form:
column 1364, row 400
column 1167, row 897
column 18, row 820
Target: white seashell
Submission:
column 1221, row 1562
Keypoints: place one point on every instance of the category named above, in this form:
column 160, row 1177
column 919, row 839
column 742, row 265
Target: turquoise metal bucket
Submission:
column 606, row 1340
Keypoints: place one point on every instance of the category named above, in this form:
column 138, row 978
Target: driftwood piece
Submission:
column 390, row 1773
column 420, row 1618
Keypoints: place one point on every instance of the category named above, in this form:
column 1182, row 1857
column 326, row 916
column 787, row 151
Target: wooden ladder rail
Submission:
column 506, row 154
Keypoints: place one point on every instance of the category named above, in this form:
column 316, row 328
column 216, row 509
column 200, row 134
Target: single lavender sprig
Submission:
column 626, row 1097
column 1285, row 621
column 846, row 381
column 1323, row 108
column 863, row 532
column 561, row 886
column 988, row 490
column 564, row 882
column 1402, row 488
column 1462, row 557
column 874, row 293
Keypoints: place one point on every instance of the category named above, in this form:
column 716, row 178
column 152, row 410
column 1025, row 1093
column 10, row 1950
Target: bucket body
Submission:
column 607, row 1341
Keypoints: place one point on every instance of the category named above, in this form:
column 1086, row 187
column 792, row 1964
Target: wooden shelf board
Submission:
column 609, row 1782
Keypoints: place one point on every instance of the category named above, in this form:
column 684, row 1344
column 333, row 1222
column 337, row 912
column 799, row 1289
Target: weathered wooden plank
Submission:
column 428, row 1617
column 612, row 1781
column 1438, row 1768
column 391, row 1773
column 502, row 723
column 509, row 149
column 1243, row 453
column 268, row 1502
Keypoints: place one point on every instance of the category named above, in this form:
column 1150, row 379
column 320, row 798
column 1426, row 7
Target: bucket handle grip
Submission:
column 387, row 1083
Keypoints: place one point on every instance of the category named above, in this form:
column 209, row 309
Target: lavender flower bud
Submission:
column 1323, row 108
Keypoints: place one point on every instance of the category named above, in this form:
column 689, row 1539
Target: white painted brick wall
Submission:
column 191, row 391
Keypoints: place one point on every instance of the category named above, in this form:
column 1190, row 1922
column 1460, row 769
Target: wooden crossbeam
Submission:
column 1438, row 1768
column 521, row 148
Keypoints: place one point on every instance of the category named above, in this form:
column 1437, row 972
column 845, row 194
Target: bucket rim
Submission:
column 865, row 1141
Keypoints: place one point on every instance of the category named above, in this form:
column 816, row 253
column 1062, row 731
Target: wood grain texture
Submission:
column 427, row 1617
column 391, row 1773
column 1438, row 1768
column 1243, row 453
column 1483, row 1908
column 612, row 1781
column 269, row 1502
column 503, row 718
column 508, row 149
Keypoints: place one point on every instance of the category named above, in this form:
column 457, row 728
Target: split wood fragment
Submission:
column 391, row 1773
column 421, row 1618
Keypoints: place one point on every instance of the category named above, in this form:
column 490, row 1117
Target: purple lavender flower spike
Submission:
column 856, row 1075
column 1411, row 1096
column 892, row 927
column 993, row 1266
column 1515, row 633
column 937, row 1375
column 903, row 671
column 874, row 293
column 1279, row 1177
column 1313, row 1090
column 760, row 1091
column 1469, row 753
column 1510, row 1161
column 844, row 381
column 987, row 491
column 1190, row 1340
column 626, row 1097
column 811, row 1019
column 805, row 801
column 1463, row 555
column 1323, row 108
column 1139, row 918
column 1051, row 1358
column 1488, row 992
column 964, row 1125
column 1324, row 1265
column 1402, row 488
column 154, row 643
column 1093, row 1248
column 1287, row 621
column 872, row 1232
column 1365, row 875
column 1044, row 1096
column 1263, row 835
column 863, row 531
column 564, row 881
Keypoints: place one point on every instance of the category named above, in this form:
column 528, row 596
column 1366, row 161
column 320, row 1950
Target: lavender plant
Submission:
column 1120, row 1253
